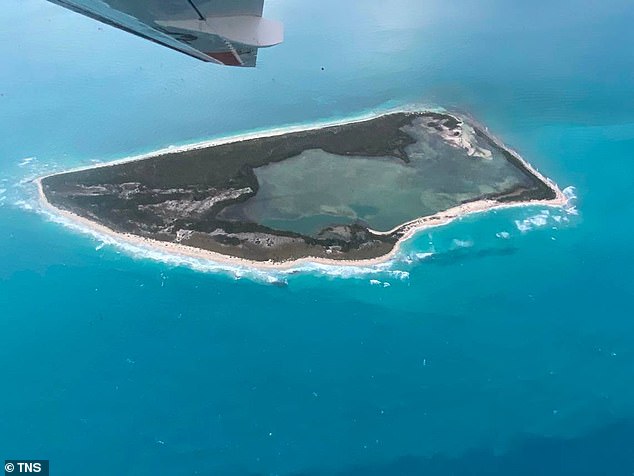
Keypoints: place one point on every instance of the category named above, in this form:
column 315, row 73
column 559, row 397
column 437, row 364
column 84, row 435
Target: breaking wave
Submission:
column 535, row 221
column 26, row 161
column 550, row 217
column 457, row 243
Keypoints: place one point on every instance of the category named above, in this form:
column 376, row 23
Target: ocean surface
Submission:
column 502, row 344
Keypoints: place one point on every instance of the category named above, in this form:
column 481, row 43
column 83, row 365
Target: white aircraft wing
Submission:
column 219, row 31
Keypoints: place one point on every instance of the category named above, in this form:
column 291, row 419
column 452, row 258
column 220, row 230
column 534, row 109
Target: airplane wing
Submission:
column 228, row 32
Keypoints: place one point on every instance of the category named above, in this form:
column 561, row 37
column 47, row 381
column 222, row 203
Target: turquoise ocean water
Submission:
column 500, row 344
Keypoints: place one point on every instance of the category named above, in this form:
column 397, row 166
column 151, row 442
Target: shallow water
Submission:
column 316, row 189
column 508, row 354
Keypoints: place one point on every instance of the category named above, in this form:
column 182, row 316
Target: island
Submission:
column 342, row 193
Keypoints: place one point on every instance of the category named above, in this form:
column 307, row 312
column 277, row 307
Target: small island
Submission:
column 344, row 193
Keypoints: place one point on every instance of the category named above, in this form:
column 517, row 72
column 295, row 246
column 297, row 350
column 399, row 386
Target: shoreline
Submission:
column 255, row 134
column 408, row 229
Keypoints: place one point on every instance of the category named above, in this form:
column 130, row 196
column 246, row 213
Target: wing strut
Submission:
column 200, row 15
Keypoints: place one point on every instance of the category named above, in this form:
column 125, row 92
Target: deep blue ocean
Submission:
column 502, row 344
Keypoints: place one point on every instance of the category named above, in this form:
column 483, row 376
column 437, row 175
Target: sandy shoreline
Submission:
column 408, row 229
column 244, row 136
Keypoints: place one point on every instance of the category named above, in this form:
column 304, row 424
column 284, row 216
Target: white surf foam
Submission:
column 383, row 284
column 26, row 161
column 538, row 220
column 457, row 243
column 570, row 193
